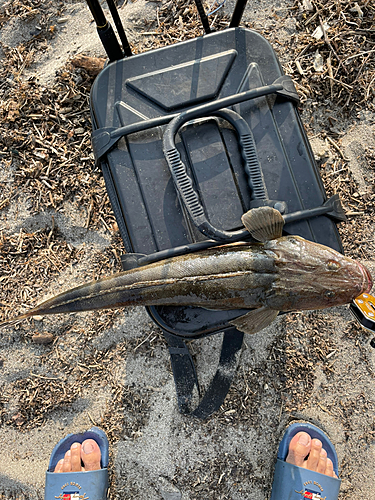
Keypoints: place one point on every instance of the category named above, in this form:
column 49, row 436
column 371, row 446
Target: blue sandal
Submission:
column 296, row 483
column 90, row 485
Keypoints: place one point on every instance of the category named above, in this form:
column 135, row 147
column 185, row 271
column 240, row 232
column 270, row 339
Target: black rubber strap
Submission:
column 185, row 375
column 106, row 138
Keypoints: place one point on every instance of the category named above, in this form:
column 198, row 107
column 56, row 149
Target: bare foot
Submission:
column 79, row 458
column 309, row 454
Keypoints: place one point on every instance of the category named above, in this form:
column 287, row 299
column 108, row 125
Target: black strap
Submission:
column 105, row 138
column 185, row 376
column 186, row 379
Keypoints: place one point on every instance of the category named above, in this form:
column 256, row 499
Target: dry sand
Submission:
column 113, row 369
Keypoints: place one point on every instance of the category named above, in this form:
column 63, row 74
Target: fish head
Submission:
column 313, row 276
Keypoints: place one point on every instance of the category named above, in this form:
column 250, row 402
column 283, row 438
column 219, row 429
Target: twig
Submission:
column 369, row 87
column 92, row 420
column 45, row 378
column 330, row 45
column 337, row 148
column 345, row 85
column 360, row 54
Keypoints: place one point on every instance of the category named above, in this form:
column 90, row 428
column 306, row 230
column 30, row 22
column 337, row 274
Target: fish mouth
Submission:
column 367, row 279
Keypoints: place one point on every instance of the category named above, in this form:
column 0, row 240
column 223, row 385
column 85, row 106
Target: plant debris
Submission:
column 334, row 52
column 47, row 170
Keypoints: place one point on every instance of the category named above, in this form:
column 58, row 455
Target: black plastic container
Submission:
column 134, row 99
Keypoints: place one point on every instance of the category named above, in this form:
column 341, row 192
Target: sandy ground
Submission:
column 114, row 370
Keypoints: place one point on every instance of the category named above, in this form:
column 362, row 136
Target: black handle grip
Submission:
column 184, row 183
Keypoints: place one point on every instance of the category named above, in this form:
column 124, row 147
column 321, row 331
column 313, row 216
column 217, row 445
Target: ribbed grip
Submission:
column 255, row 179
column 248, row 152
column 183, row 183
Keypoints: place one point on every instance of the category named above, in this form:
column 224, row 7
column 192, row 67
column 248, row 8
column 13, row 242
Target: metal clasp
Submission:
column 363, row 309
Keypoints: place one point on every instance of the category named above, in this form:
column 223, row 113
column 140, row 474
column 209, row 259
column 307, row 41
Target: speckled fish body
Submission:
column 279, row 274
column 227, row 277
column 284, row 274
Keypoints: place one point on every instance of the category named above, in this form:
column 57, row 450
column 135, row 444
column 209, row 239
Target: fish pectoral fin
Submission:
column 264, row 223
column 255, row 320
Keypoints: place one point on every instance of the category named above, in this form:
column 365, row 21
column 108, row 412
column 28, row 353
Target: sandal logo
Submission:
column 310, row 494
column 72, row 495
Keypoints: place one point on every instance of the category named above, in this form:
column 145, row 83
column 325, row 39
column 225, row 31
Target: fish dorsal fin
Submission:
column 264, row 223
column 255, row 320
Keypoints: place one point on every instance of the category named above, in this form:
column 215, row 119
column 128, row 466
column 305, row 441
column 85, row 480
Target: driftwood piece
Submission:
column 93, row 65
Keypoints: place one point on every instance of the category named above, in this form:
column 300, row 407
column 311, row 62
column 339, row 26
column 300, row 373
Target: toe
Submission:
column 67, row 463
column 329, row 469
column 90, row 454
column 59, row 466
column 75, row 457
column 314, row 456
column 322, row 464
column 299, row 448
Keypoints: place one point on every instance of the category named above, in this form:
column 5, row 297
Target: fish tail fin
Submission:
column 16, row 319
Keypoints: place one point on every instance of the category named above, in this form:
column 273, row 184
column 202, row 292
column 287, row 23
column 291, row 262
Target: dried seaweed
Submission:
column 342, row 35
column 45, row 152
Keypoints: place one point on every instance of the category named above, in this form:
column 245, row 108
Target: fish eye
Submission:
column 333, row 265
column 292, row 240
column 329, row 294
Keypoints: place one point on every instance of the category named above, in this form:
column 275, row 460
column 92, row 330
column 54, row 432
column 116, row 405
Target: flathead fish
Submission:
column 280, row 273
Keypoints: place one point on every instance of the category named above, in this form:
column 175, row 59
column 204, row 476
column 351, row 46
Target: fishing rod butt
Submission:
column 110, row 42
column 237, row 13
column 105, row 31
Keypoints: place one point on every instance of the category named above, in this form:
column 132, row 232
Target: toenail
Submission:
column 74, row 446
column 67, row 454
column 88, row 447
column 304, row 439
